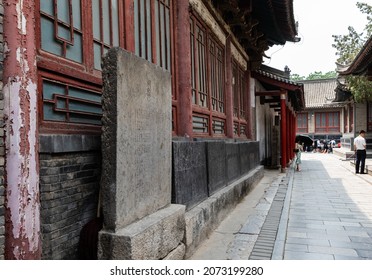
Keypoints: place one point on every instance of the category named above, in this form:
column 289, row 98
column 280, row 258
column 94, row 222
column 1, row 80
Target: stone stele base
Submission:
column 152, row 238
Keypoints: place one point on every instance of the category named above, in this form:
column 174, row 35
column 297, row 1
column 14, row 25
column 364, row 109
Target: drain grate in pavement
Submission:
column 264, row 246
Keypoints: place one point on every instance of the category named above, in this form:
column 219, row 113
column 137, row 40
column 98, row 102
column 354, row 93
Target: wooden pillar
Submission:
column 183, row 66
column 129, row 26
column 283, row 130
column 294, row 129
column 248, row 106
column 289, row 133
column 290, row 144
column 229, row 91
column 22, row 222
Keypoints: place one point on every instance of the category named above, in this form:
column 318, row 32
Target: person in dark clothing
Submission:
column 361, row 153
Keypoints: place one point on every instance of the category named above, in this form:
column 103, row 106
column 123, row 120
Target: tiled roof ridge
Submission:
column 277, row 77
column 317, row 80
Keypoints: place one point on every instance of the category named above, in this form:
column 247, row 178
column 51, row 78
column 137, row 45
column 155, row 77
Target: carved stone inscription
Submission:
column 143, row 140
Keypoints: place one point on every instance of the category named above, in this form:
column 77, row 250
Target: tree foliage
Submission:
column 314, row 76
column 348, row 46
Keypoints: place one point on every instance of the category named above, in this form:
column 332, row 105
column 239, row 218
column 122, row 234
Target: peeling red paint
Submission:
column 22, row 218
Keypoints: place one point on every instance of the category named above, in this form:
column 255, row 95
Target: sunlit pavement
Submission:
column 323, row 212
column 329, row 211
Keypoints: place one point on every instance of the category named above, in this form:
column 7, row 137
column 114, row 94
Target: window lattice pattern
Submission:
column 66, row 103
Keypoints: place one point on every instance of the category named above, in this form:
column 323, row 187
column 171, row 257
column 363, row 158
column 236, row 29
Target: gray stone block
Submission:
column 232, row 161
column 153, row 237
column 245, row 163
column 68, row 143
column 189, row 173
column 206, row 216
column 216, row 156
column 136, row 139
column 177, row 254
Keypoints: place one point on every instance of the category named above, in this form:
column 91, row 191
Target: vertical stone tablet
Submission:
column 136, row 139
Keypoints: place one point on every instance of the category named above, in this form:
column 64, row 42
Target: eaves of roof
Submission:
column 274, row 81
column 361, row 62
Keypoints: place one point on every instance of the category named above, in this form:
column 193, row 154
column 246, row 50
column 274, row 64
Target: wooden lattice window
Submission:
column 69, row 103
column 75, row 34
column 216, row 70
column 61, row 28
column 369, row 119
column 207, row 80
column 302, row 122
column 239, row 99
column 105, row 28
column 199, row 65
column 152, row 29
column 327, row 122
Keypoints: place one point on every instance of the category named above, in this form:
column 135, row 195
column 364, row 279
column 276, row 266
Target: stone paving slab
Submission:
column 331, row 217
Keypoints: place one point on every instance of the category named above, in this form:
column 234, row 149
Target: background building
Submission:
column 323, row 118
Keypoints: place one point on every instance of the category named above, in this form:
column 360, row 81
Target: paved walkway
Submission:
column 323, row 212
column 330, row 211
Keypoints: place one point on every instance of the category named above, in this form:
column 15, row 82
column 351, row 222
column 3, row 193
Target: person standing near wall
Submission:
column 298, row 150
column 360, row 150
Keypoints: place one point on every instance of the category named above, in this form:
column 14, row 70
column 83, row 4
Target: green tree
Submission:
column 297, row 77
column 314, row 76
column 348, row 46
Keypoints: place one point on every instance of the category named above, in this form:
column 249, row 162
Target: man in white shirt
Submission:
column 360, row 149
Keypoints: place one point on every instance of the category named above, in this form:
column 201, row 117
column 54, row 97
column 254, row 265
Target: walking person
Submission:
column 298, row 149
column 361, row 153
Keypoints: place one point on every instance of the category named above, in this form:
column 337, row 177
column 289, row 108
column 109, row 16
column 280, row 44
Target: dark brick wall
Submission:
column 2, row 149
column 69, row 187
column 201, row 168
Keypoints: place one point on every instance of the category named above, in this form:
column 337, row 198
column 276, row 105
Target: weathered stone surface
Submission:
column 189, row 173
column 153, row 237
column 177, row 254
column 232, row 161
column 216, row 156
column 245, row 162
column 202, row 219
column 136, row 137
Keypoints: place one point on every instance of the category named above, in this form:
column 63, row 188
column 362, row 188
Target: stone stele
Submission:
column 136, row 152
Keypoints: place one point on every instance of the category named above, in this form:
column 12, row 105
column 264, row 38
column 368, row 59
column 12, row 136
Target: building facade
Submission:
column 52, row 101
column 360, row 112
column 323, row 117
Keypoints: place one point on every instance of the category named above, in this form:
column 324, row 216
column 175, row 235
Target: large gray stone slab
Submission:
column 216, row 157
column 136, row 137
column 232, row 161
column 190, row 185
column 153, row 237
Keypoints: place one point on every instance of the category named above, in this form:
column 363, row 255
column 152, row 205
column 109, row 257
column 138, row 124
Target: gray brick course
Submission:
column 69, row 186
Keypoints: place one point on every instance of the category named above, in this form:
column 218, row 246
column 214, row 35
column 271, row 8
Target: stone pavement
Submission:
column 323, row 212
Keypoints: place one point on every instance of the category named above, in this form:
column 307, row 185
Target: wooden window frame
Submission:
column 239, row 85
column 84, row 75
column 301, row 119
column 206, row 110
column 328, row 128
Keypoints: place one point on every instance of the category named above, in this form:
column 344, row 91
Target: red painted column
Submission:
column 129, row 25
column 229, row 91
column 290, row 131
column 22, row 222
column 291, row 146
column 283, row 130
column 288, row 135
column 294, row 130
column 183, row 66
column 248, row 106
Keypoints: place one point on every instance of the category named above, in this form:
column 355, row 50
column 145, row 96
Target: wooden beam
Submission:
column 268, row 93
